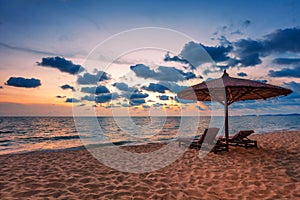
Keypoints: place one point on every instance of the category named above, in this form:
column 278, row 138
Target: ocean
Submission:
column 25, row 134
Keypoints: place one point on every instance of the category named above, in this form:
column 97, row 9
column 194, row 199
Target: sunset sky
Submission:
column 46, row 49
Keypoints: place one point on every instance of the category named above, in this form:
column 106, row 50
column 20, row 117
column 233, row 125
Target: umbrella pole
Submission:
column 226, row 125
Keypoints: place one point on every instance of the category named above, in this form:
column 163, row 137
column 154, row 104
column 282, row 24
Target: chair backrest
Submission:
column 200, row 141
column 245, row 133
column 211, row 134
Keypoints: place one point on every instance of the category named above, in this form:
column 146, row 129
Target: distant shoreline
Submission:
column 251, row 115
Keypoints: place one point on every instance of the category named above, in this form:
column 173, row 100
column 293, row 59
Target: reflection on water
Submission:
column 19, row 134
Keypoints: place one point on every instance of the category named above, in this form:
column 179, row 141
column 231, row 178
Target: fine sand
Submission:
column 270, row 172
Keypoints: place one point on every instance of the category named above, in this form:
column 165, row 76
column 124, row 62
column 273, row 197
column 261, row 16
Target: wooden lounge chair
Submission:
column 211, row 143
column 192, row 141
column 241, row 139
column 207, row 141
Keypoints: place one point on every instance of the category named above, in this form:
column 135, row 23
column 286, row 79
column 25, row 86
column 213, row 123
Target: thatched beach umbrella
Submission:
column 227, row 90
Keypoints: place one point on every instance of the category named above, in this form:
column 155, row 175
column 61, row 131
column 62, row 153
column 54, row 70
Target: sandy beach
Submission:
column 270, row 172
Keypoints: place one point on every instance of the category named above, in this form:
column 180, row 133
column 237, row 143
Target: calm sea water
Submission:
column 24, row 134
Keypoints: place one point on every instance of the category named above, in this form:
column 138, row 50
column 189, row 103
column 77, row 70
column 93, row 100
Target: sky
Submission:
column 56, row 56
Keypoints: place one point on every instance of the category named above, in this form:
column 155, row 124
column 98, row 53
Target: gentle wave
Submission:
column 23, row 134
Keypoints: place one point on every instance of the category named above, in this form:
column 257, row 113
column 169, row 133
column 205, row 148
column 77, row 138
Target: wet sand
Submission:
column 270, row 172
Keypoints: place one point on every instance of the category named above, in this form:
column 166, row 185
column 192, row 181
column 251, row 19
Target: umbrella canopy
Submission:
column 227, row 90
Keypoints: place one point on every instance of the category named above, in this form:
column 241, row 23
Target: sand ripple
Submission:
column 270, row 172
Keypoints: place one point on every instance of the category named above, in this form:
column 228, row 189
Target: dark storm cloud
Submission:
column 138, row 95
column 88, row 98
column 162, row 73
column 155, row 88
column 178, row 59
column 72, row 100
column 137, row 102
column 66, row 86
column 171, row 86
column 95, row 90
column 242, row 74
column 91, row 79
column 283, row 40
column 218, row 53
column 168, row 58
column 103, row 98
column 249, row 52
column 261, row 80
column 195, row 54
column 23, row 82
column 246, row 52
column 61, row 64
column 184, row 101
column 125, row 87
column 164, row 97
column 286, row 72
column 286, row 61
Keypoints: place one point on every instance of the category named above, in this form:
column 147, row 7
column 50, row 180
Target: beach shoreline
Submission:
column 270, row 172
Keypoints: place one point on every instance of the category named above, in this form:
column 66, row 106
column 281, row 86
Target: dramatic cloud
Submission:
column 137, row 102
column 61, row 64
column 156, row 105
column 103, row 98
column 88, row 98
column 138, row 95
column 125, row 87
column 173, row 87
column 283, row 40
column 249, row 51
column 168, row 58
column 162, row 73
column 261, row 80
column 195, row 54
column 184, row 101
column 164, row 97
column 155, row 88
column 95, row 90
column 286, row 61
column 92, row 79
column 66, row 86
column 23, row 82
column 286, row 72
column 72, row 100
column 242, row 74
column 295, row 87
column 218, row 53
